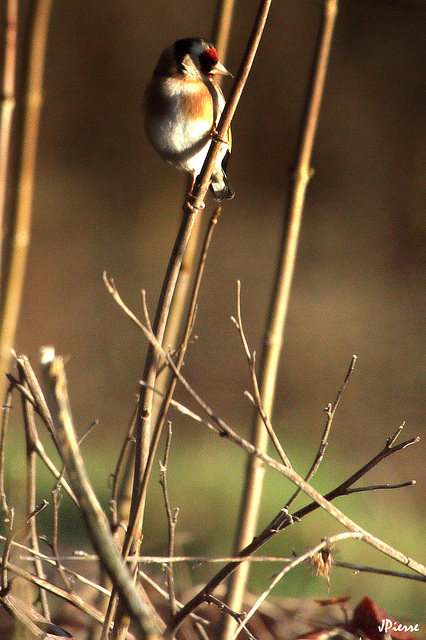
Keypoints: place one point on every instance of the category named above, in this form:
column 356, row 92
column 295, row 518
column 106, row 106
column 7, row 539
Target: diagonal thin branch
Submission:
column 378, row 571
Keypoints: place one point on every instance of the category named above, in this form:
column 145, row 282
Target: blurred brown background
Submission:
column 105, row 201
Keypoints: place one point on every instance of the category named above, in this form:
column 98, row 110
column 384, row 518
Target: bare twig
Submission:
column 330, row 411
column 192, row 560
column 72, row 598
column 238, row 617
column 116, row 509
column 4, row 581
column 251, row 358
column 92, row 425
column 171, row 522
column 383, row 572
column 39, row 401
column 375, row 487
column 35, row 397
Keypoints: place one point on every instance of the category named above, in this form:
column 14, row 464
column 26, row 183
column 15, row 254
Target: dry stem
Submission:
column 16, row 251
column 273, row 334
column 7, row 109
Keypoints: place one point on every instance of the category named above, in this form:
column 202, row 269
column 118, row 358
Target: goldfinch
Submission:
column 182, row 106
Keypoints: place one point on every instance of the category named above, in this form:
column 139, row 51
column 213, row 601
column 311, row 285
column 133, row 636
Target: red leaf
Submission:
column 375, row 623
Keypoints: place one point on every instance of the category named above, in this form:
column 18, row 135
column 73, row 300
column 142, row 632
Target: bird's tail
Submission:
column 220, row 187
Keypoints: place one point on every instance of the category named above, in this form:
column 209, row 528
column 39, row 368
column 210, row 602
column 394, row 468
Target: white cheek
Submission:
column 171, row 88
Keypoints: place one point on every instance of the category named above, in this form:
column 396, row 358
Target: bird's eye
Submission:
column 208, row 59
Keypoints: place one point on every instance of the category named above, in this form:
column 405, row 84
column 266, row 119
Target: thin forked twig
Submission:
column 376, row 487
column 34, row 396
column 330, row 411
column 257, row 400
column 238, row 617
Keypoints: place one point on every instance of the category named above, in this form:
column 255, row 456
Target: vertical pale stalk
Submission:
column 7, row 109
column 21, row 223
column 273, row 335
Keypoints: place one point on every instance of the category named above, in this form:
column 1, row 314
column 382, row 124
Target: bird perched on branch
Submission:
column 182, row 106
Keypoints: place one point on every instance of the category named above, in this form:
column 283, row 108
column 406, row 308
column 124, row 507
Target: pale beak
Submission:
column 220, row 70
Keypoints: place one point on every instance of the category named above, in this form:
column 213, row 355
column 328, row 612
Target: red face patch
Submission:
column 208, row 59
